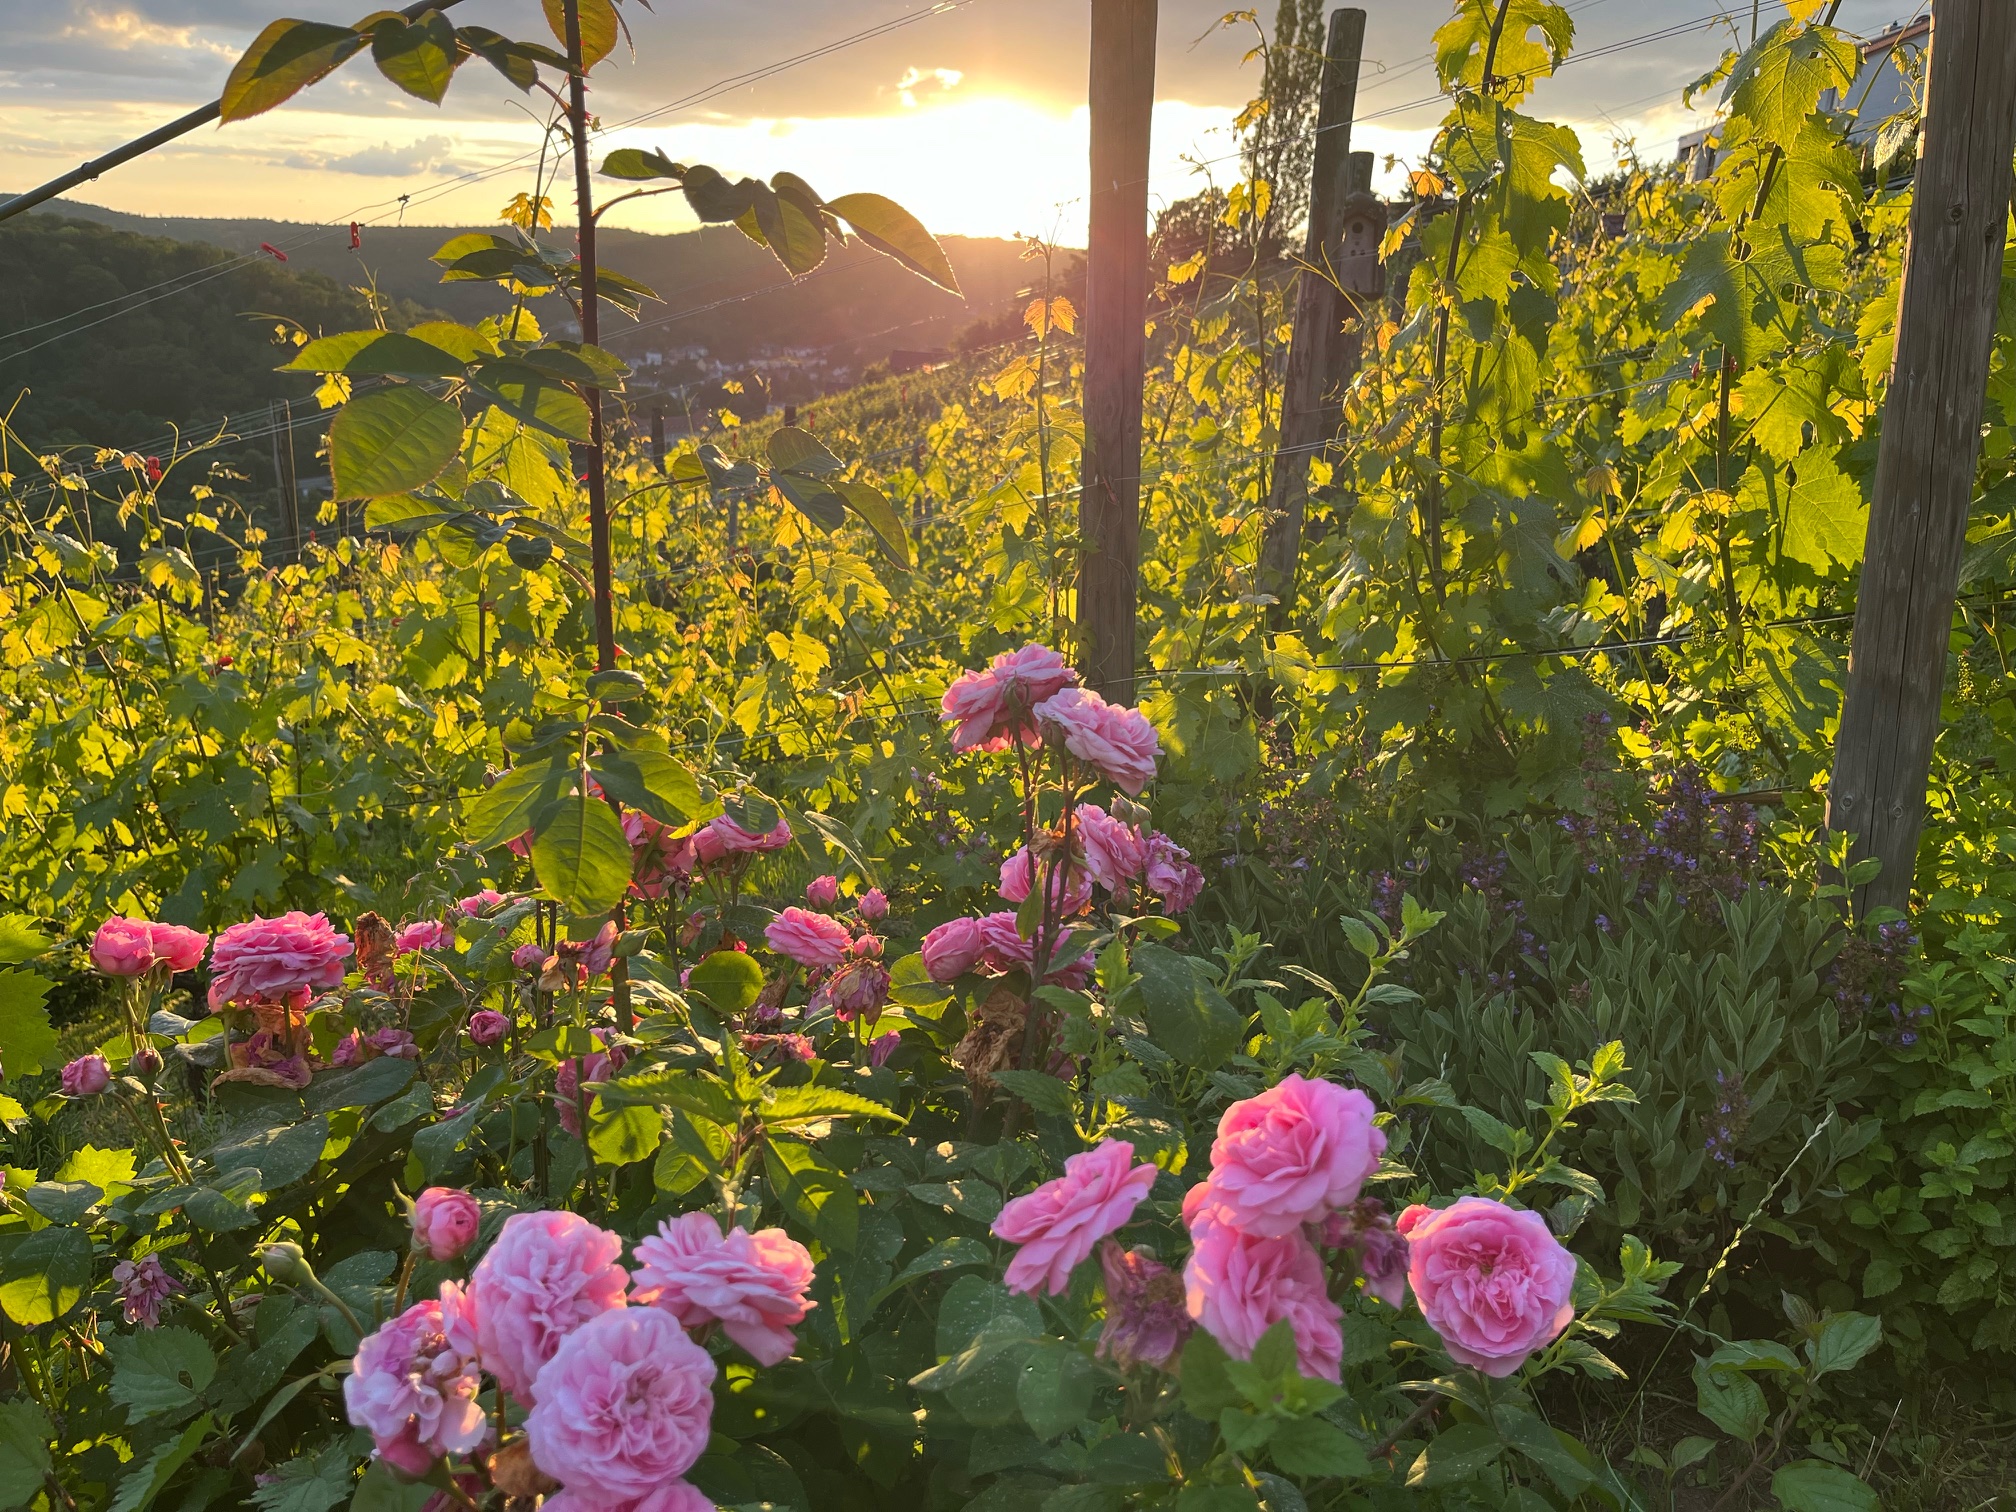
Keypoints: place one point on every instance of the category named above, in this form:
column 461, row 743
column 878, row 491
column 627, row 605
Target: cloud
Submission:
column 429, row 154
column 947, row 79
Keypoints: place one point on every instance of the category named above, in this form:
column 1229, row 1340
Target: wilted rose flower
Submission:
column 144, row 1284
column 990, row 708
column 350, row 1050
column 269, row 1060
column 426, row 935
column 394, row 1042
column 547, row 1275
column 1146, row 1320
column 808, row 938
column 753, row 1285
column 1057, row 1226
column 281, row 960
column 86, row 1076
column 488, row 1027
column 859, row 990
column 1118, row 743
column 1171, row 875
column 625, row 1406
column 415, row 1392
column 529, row 957
column 823, row 892
column 789, row 1046
column 1492, row 1280
column 445, row 1222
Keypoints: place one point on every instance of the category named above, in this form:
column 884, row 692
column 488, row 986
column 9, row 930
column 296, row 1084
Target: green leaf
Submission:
column 1730, row 1400
column 280, row 1155
column 1453, row 1456
column 148, row 1480
column 1042, row 1091
column 598, row 28
column 375, row 354
column 640, row 163
column 1778, row 81
column 358, row 1086
column 538, row 399
column 1207, row 1388
column 283, row 59
column 45, row 1275
column 795, row 449
column 1826, row 517
column 881, row 517
column 895, row 232
column 652, row 783
column 159, row 1370
column 391, row 441
column 1055, row 1389
column 1312, row 1447
column 581, row 857
column 382, row 1491
column 62, row 1201
column 976, row 1305
column 946, row 1255
column 504, row 811
column 419, row 56
column 814, row 1192
column 795, row 1105
column 24, row 1451
column 21, row 939
column 729, row 979
column 1187, row 1015
column 695, row 1150
column 436, row 1144
column 27, row 1043
column 619, row 1136
column 1844, row 1339
column 1815, row 1486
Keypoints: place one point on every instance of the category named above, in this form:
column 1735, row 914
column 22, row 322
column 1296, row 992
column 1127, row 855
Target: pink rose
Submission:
column 790, row 1046
column 86, row 1076
column 274, row 961
column 1288, row 1156
column 123, row 947
column 1058, row 1225
column 1146, row 1320
column 953, row 949
column 445, row 1221
column 349, row 1050
column 753, row 1285
column 394, row 1042
column 529, row 957
column 414, row 1391
column 181, row 948
column 426, row 935
column 1170, row 874
column 1118, row 743
column 823, row 892
column 659, row 859
column 722, row 839
column 547, row 1274
column 1114, row 852
column 144, row 1284
column 625, row 1406
column 597, row 1065
column 993, row 707
column 810, row 939
column 1237, row 1285
column 882, row 1047
column 488, row 1027
column 1493, row 1281
column 874, row 905
column 1021, row 872
column 1006, row 950
column 479, row 902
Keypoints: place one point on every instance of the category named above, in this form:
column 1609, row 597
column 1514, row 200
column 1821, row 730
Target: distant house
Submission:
column 1882, row 87
column 1699, row 151
column 905, row 361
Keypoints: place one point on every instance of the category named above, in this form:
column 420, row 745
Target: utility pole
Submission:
column 1931, row 444
column 1308, row 397
column 1122, row 99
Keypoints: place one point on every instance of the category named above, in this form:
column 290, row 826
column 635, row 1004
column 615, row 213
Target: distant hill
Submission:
column 721, row 293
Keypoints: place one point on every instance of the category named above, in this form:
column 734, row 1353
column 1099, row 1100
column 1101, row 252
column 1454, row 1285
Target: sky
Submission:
column 971, row 114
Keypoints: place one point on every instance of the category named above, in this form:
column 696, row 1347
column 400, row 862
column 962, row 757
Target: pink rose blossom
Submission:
column 1146, row 1320
column 874, row 905
column 1288, row 1156
column 547, row 1274
column 1058, row 1224
column 1007, row 951
column 144, row 1284
column 529, row 957
column 882, row 1047
column 753, row 1285
column 394, row 1042
column 131, row 947
column 659, row 859
column 625, row 1406
column 866, row 947
column 823, row 892
column 1171, row 875
column 274, row 961
column 350, row 1050
column 1237, row 1285
column 1115, row 854
column 445, row 1222
column 597, row 1065
column 480, row 902
column 488, row 1027
column 810, row 939
column 86, row 1076
column 722, row 839
column 415, row 1392
column 145, row 1062
column 953, row 949
column 1119, row 743
column 429, row 934
column 1492, row 1280
column 1021, row 872
column 993, row 707
column 790, row 1046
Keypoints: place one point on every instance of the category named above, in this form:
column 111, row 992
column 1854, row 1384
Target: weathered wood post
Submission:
column 1308, row 396
column 1122, row 99
column 1931, row 443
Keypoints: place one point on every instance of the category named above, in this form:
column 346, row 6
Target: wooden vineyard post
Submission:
column 1122, row 100
column 1930, row 446
column 290, row 482
column 1308, row 397
column 658, row 436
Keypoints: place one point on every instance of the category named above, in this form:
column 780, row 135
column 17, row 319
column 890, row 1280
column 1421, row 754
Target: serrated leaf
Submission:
column 1313, row 1447
column 814, row 1192
column 25, row 1433
column 45, row 1275
column 796, row 1105
column 391, row 441
column 27, row 1042
column 21, row 939
column 283, row 59
column 159, row 1370
column 580, row 855
column 1815, row 1486
column 149, row 1478
column 1042, row 1091
column 895, row 232
column 599, row 28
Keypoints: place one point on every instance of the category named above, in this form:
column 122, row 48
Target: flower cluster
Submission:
column 133, row 947
column 665, row 863
column 1031, row 696
column 612, row 1366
